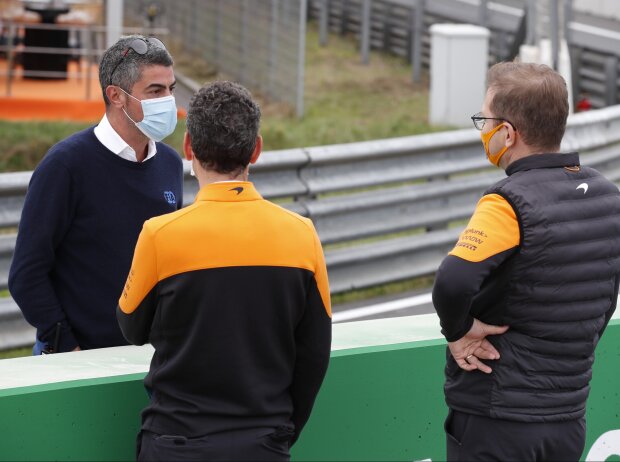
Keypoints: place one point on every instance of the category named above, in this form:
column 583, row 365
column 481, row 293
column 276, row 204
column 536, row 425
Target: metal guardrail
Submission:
column 386, row 210
column 401, row 27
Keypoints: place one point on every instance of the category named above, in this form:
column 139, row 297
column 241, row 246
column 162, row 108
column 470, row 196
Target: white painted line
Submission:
column 394, row 305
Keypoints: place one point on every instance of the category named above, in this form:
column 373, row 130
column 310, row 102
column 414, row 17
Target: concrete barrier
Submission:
column 382, row 399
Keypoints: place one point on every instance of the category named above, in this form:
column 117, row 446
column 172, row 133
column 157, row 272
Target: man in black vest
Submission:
column 530, row 286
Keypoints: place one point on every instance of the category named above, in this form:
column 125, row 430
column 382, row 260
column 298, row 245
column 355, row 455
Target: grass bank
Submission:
column 345, row 101
column 18, row 353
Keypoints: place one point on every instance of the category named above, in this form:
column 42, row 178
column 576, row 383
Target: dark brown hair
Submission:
column 223, row 122
column 534, row 98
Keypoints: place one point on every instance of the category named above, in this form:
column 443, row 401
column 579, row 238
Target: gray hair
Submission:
column 223, row 123
column 120, row 65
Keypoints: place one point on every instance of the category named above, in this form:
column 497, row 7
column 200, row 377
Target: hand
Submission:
column 77, row 348
column 473, row 346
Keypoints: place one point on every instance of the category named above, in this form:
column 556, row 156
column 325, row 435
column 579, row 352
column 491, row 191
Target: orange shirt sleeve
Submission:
column 492, row 229
column 320, row 274
column 142, row 275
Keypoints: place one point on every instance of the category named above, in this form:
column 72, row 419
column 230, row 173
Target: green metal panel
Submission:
column 75, row 421
column 377, row 403
column 604, row 402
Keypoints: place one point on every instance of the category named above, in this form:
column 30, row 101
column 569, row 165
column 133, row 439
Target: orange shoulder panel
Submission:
column 492, row 229
column 218, row 235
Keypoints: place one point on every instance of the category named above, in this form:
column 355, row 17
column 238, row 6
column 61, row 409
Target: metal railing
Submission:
column 386, row 210
column 401, row 27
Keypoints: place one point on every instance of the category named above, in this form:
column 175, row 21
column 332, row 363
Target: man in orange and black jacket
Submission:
column 232, row 292
column 530, row 286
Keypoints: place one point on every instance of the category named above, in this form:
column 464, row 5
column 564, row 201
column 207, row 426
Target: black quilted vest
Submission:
column 554, row 292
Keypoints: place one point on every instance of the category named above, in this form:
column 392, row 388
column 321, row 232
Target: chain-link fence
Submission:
column 259, row 43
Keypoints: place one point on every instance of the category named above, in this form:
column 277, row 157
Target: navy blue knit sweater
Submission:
column 84, row 209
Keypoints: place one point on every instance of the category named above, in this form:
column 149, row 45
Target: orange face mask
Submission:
column 486, row 139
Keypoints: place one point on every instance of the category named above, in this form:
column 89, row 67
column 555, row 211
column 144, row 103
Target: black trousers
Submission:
column 476, row 438
column 262, row 444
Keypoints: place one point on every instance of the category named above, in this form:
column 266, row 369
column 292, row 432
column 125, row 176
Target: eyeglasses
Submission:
column 479, row 120
column 140, row 46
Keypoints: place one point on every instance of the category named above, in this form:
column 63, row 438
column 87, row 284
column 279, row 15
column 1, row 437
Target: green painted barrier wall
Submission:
column 382, row 399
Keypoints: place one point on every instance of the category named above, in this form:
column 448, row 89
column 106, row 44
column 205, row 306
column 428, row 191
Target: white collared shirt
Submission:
column 106, row 134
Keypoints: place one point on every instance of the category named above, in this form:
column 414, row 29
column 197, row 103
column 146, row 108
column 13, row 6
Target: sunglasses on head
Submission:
column 140, row 46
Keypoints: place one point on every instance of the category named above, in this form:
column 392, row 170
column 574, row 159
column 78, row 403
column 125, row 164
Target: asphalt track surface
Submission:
column 402, row 304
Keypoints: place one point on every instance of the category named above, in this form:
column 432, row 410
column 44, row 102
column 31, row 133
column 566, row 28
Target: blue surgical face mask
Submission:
column 160, row 116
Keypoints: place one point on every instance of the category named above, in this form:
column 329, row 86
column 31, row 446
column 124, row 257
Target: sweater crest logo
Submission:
column 170, row 197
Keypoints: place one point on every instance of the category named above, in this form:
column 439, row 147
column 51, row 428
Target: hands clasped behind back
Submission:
column 469, row 350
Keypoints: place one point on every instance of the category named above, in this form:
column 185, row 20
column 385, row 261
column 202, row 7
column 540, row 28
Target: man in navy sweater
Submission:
column 87, row 201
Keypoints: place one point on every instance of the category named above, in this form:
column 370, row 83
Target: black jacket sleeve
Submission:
column 457, row 282
column 490, row 238
column 313, row 338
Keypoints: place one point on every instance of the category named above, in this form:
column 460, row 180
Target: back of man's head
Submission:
column 534, row 98
column 223, row 123
column 123, row 62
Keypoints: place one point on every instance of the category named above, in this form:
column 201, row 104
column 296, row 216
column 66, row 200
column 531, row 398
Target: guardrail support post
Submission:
column 365, row 31
column 483, row 13
column 344, row 17
column 273, row 49
column 301, row 58
column 575, row 60
column 554, row 33
column 243, row 42
column 87, row 35
column 417, row 33
column 10, row 59
column 218, row 33
column 530, row 36
column 324, row 22
column 387, row 28
column 114, row 21
column 611, row 79
column 569, row 17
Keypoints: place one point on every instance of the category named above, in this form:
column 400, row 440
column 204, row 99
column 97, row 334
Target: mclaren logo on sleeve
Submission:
column 583, row 186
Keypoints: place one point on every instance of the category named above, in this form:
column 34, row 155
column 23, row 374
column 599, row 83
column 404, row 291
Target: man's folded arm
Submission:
column 490, row 238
